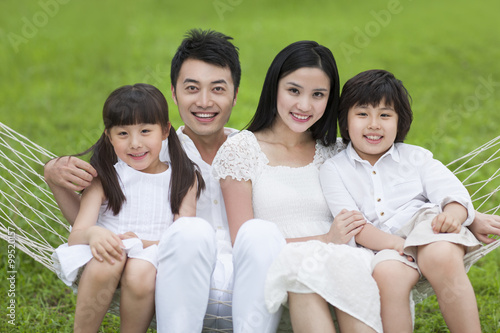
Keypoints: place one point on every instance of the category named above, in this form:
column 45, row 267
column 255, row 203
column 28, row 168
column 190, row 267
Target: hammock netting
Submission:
column 29, row 213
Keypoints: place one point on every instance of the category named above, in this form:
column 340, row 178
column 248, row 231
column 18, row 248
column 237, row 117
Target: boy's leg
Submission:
column 187, row 254
column 95, row 291
column 395, row 281
column 137, row 298
column 442, row 263
column 257, row 244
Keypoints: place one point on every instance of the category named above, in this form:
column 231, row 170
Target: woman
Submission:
column 271, row 172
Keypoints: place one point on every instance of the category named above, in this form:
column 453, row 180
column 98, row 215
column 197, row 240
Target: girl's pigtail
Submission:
column 183, row 170
column 103, row 160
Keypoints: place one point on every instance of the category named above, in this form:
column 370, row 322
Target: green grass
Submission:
column 71, row 56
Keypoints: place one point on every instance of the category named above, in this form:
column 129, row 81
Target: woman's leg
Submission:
column 395, row 281
column 95, row 292
column 442, row 264
column 310, row 313
column 348, row 323
column 137, row 302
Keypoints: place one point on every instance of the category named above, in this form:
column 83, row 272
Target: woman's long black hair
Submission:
column 141, row 104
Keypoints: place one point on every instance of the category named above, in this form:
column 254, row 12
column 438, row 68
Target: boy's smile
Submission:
column 372, row 130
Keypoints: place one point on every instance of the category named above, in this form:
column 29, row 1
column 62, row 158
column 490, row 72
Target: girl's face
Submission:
column 302, row 98
column 139, row 145
column 372, row 130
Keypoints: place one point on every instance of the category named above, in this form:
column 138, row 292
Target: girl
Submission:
column 416, row 208
column 271, row 172
column 126, row 209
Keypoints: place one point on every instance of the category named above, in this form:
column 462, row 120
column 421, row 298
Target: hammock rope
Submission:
column 29, row 211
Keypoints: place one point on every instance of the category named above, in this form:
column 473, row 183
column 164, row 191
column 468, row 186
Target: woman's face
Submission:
column 302, row 98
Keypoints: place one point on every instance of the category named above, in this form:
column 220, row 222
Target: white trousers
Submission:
column 257, row 244
column 187, row 253
column 187, row 257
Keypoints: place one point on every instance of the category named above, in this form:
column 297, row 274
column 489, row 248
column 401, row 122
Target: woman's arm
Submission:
column 104, row 244
column 65, row 175
column 238, row 200
column 484, row 225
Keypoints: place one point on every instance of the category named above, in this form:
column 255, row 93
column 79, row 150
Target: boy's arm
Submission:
column 64, row 176
column 376, row 239
column 451, row 219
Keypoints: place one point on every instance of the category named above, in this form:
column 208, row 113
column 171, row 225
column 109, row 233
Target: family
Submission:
column 283, row 213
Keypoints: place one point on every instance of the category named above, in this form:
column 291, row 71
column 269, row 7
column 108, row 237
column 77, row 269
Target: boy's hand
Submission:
column 446, row 223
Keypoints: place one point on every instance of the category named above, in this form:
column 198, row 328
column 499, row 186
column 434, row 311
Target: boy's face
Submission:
column 372, row 130
column 204, row 94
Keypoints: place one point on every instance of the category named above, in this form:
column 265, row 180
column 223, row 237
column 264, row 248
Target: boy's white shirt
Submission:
column 404, row 180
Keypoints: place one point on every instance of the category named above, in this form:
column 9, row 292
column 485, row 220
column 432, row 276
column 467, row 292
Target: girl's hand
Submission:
column 127, row 235
column 446, row 223
column 105, row 245
column 346, row 225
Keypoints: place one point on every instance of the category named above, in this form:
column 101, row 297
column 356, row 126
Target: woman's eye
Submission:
column 293, row 90
column 318, row 94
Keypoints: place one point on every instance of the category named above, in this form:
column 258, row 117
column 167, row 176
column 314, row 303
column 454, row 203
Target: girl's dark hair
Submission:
column 370, row 88
column 141, row 104
column 295, row 56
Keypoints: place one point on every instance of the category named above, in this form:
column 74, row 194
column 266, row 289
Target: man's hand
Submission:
column 69, row 172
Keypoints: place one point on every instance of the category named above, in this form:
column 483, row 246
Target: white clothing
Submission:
column 293, row 200
column 404, row 180
column 146, row 212
column 250, row 276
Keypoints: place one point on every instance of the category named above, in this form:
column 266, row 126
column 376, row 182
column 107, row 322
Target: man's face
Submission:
column 205, row 96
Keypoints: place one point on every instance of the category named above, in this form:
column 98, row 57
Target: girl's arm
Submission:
column 376, row 239
column 104, row 244
column 238, row 200
column 188, row 205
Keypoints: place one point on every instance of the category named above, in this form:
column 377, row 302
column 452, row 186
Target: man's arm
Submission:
column 484, row 225
column 65, row 175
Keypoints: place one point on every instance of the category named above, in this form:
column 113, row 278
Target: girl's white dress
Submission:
column 292, row 198
column 146, row 212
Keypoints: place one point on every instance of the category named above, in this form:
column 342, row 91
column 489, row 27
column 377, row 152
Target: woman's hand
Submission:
column 346, row 225
column 484, row 225
column 105, row 244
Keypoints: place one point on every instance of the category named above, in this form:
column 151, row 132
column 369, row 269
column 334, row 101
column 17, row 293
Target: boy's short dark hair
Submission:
column 370, row 88
column 211, row 47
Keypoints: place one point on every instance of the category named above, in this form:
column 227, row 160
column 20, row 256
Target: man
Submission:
column 197, row 258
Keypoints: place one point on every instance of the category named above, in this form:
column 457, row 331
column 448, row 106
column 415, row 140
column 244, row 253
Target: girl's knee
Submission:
column 103, row 272
column 139, row 278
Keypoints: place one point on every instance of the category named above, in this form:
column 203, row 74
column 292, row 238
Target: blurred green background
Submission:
column 60, row 59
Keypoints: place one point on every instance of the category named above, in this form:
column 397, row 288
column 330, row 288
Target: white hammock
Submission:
column 29, row 212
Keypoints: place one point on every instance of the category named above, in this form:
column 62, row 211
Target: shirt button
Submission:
column 378, row 199
column 215, row 202
column 374, row 172
column 382, row 214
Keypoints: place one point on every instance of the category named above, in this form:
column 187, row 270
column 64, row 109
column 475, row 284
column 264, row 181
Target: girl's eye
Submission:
column 122, row 133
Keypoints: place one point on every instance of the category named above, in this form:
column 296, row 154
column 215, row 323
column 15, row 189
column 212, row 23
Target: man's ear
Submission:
column 235, row 96
column 172, row 88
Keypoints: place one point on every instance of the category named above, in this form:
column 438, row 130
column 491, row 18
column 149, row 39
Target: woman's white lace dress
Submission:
column 292, row 198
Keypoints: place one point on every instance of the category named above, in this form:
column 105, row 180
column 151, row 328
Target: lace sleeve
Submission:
column 325, row 152
column 238, row 157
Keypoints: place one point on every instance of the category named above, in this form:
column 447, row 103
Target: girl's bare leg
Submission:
column 95, row 292
column 310, row 313
column 395, row 281
column 137, row 302
column 442, row 264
